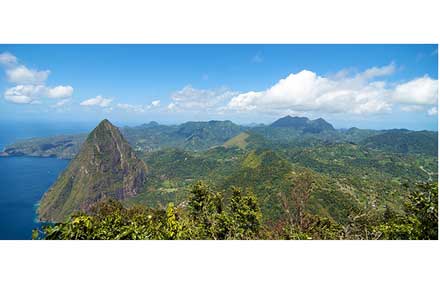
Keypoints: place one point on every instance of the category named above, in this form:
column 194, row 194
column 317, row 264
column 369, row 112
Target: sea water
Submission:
column 23, row 180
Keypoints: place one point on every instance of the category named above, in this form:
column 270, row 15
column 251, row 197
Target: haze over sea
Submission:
column 23, row 180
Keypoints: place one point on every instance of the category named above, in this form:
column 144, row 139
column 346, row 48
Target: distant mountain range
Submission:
column 155, row 164
column 303, row 124
column 404, row 141
column 199, row 136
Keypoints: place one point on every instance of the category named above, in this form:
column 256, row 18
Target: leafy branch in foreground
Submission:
column 421, row 216
column 205, row 216
column 210, row 215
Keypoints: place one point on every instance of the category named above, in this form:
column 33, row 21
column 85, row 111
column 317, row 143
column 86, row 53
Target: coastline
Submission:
column 6, row 155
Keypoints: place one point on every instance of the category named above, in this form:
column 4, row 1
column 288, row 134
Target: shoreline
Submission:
column 32, row 156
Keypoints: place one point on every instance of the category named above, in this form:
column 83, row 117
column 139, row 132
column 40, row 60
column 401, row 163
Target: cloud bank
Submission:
column 30, row 87
column 363, row 93
column 192, row 99
column 420, row 91
column 22, row 75
column 7, row 58
column 97, row 101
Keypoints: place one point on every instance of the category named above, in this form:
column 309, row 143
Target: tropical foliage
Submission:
column 207, row 215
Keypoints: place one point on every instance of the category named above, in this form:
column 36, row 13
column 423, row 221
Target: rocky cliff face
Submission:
column 106, row 166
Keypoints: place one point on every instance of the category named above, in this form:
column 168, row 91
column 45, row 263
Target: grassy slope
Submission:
column 237, row 141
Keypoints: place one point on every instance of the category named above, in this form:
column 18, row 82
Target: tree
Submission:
column 210, row 219
column 423, row 205
column 294, row 204
column 110, row 220
column 244, row 215
column 420, row 221
column 206, row 217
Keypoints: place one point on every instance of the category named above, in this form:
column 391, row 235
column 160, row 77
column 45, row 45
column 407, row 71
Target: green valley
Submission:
column 305, row 178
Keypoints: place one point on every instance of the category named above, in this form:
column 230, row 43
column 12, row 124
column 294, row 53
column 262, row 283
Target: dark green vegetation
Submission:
column 303, row 124
column 356, row 182
column 404, row 141
column 199, row 136
column 147, row 137
column 209, row 215
column 105, row 167
column 205, row 216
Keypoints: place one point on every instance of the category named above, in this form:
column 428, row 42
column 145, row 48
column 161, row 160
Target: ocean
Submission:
column 23, row 180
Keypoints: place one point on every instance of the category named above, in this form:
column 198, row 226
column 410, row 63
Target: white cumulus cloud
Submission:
column 362, row 94
column 138, row 108
column 24, row 75
column 171, row 106
column 60, row 92
column 375, row 72
column 96, row 101
column 132, row 108
column 420, row 91
column 307, row 91
column 18, row 99
column 7, row 58
column 30, row 84
column 31, row 94
column 24, row 94
column 192, row 99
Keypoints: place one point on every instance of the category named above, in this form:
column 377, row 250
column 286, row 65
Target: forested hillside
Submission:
column 209, row 214
column 297, row 178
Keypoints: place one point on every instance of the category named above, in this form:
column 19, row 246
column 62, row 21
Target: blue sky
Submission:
column 368, row 86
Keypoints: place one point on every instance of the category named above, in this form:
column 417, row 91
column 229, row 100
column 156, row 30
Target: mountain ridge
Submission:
column 106, row 166
column 304, row 124
column 200, row 136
